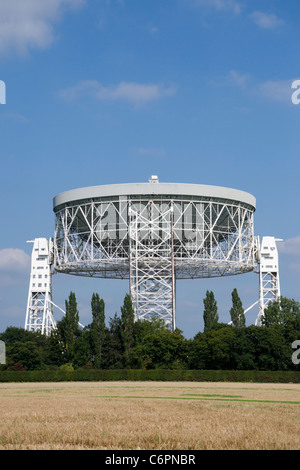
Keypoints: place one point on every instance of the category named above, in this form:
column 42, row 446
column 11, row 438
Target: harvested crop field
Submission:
column 149, row 416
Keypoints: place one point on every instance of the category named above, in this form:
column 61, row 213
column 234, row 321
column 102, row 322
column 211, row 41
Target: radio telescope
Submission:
column 152, row 234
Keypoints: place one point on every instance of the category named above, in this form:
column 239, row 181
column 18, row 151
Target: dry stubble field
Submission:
column 149, row 415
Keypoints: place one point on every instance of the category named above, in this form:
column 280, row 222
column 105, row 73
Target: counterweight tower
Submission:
column 39, row 312
column 269, row 285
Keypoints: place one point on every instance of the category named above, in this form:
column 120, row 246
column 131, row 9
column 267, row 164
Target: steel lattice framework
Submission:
column 151, row 261
column 269, row 284
column 39, row 312
column 152, row 234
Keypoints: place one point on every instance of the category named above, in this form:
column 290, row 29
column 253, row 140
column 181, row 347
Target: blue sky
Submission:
column 113, row 91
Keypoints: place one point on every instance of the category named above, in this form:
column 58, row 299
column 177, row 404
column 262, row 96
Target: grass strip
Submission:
column 211, row 395
column 244, row 400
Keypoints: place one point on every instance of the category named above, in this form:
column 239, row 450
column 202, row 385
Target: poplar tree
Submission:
column 237, row 312
column 97, row 328
column 127, row 326
column 68, row 327
column 210, row 314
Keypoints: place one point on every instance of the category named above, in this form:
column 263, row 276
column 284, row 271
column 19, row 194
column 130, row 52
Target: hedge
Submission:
column 95, row 375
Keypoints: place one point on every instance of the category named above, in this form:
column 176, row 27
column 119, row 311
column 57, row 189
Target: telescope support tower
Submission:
column 151, row 275
column 152, row 234
column 269, row 285
column 39, row 312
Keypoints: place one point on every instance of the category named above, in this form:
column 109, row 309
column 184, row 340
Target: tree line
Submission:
column 125, row 343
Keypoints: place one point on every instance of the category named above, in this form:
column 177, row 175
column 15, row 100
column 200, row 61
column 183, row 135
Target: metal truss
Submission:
column 152, row 273
column 269, row 285
column 210, row 238
column 151, row 263
column 92, row 240
column 213, row 239
column 152, row 241
column 39, row 312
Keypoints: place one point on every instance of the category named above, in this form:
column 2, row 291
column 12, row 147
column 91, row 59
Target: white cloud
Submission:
column 220, row 5
column 238, row 78
column 266, row 20
column 276, row 90
column 132, row 92
column 151, row 152
column 153, row 29
column 14, row 116
column 85, row 87
column 29, row 23
column 289, row 255
column 14, row 267
column 14, row 259
column 290, row 247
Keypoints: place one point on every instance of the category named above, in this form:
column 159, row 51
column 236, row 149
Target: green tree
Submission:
column 237, row 312
column 27, row 354
column 156, row 346
column 68, row 328
column 273, row 314
column 13, row 335
column 210, row 314
column 97, row 329
column 281, row 312
column 31, row 349
column 212, row 349
column 282, row 326
column 112, row 357
column 271, row 350
column 82, row 350
column 56, row 347
column 127, row 326
column 243, row 350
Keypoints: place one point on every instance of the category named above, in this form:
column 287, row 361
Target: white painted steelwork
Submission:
column 39, row 312
column 269, row 285
column 152, row 234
